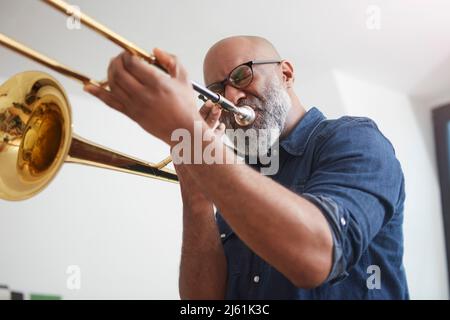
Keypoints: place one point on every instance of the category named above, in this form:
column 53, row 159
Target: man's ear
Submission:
column 288, row 73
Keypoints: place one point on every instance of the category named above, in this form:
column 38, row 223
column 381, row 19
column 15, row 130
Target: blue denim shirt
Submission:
column 349, row 170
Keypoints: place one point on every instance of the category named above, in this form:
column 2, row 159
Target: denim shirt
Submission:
column 349, row 170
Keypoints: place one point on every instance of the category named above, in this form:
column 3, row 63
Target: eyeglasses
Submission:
column 240, row 77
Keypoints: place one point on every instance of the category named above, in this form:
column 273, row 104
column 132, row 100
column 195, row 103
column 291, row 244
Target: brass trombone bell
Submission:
column 36, row 138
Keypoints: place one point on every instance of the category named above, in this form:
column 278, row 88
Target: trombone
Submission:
column 35, row 122
column 36, row 135
column 243, row 115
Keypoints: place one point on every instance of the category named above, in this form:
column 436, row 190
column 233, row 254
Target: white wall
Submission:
column 425, row 260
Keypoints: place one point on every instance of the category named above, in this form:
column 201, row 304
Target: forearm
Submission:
column 203, row 265
column 283, row 228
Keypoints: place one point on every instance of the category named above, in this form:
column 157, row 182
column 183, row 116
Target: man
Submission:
column 327, row 225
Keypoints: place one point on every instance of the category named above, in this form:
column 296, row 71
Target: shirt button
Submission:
column 223, row 235
column 343, row 222
column 256, row 279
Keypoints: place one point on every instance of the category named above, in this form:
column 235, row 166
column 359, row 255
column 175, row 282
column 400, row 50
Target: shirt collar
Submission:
column 295, row 143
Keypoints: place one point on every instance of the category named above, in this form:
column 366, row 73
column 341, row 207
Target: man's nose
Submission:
column 234, row 94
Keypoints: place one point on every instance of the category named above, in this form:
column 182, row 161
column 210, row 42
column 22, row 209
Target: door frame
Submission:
column 441, row 118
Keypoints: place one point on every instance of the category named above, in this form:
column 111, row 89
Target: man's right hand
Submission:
column 203, row 270
column 192, row 193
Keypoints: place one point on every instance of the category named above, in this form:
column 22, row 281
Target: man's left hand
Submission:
column 157, row 101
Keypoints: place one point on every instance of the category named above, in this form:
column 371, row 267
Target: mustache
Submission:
column 253, row 102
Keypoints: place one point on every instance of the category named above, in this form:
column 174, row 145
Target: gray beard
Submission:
column 271, row 113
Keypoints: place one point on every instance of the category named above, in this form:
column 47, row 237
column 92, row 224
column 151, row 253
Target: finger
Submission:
column 213, row 117
column 210, row 112
column 105, row 96
column 127, row 81
column 206, row 109
column 220, row 130
column 146, row 74
column 123, row 84
column 171, row 64
column 115, row 73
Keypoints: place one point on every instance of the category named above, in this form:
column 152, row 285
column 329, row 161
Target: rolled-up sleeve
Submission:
column 355, row 182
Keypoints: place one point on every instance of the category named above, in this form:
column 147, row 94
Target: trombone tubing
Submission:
column 44, row 60
column 66, row 9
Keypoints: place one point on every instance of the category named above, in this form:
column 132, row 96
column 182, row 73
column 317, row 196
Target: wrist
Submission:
column 197, row 206
column 186, row 130
column 196, row 145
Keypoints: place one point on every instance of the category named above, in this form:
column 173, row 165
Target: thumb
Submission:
column 170, row 63
column 220, row 130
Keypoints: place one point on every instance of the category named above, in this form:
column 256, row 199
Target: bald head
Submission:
column 230, row 52
column 270, row 91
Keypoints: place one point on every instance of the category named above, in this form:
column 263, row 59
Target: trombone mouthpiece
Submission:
column 245, row 117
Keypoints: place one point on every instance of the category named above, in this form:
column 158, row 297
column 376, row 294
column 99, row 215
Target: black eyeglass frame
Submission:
column 229, row 81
